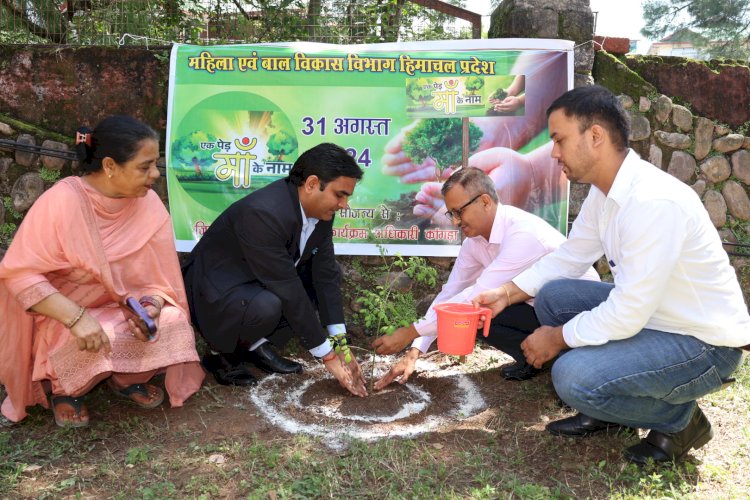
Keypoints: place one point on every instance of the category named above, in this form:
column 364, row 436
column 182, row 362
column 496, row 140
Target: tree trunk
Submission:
column 391, row 22
column 313, row 19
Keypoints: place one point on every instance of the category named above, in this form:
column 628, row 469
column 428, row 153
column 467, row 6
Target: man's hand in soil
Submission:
column 394, row 342
column 403, row 369
column 355, row 373
column 342, row 372
column 543, row 344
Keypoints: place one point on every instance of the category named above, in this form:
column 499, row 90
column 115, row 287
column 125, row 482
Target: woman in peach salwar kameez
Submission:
column 84, row 246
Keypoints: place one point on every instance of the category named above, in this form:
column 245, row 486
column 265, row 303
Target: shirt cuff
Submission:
column 336, row 329
column 34, row 294
column 528, row 282
column 423, row 343
column 322, row 349
column 426, row 327
column 569, row 333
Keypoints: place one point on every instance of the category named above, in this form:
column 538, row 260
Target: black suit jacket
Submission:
column 257, row 239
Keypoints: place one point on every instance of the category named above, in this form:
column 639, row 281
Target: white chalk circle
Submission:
column 283, row 404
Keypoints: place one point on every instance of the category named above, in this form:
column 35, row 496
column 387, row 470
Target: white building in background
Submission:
column 681, row 43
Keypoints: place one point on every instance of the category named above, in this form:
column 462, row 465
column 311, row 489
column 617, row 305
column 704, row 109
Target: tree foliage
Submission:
column 281, row 144
column 439, row 139
column 418, row 90
column 106, row 22
column 474, row 83
column 187, row 152
column 717, row 27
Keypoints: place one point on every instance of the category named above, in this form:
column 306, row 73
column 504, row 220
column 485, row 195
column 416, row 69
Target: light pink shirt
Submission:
column 518, row 239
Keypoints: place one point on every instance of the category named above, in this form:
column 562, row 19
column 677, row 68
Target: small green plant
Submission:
column 385, row 310
column 136, row 456
column 49, row 175
column 10, row 209
column 499, row 94
column 7, row 230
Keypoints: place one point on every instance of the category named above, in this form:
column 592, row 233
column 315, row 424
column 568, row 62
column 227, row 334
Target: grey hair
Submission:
column 473, row 180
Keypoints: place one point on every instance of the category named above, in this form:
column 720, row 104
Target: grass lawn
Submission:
column 218, row 446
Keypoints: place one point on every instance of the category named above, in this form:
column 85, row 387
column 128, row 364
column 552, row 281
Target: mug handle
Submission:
column 487, row 314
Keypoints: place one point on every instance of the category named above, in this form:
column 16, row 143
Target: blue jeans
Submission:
column 650, row 380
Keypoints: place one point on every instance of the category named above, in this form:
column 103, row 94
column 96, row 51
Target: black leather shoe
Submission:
column 579, row 425
column 265, row 358
column 663, row 447
column 520, row 371
column 226, row 373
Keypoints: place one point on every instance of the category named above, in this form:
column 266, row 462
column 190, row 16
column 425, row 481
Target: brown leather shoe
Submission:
column 663, row 447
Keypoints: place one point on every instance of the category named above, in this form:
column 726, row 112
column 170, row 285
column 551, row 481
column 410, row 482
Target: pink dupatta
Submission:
column 73, row 227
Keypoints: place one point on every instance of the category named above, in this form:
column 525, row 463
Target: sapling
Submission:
column 498, row 95
column 382, row 308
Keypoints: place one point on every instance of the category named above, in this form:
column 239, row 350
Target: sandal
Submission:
column 75, row 403
column 142, row 390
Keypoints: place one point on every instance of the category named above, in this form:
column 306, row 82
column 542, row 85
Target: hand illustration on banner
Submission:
column 511, row 99
column 515, row 176
column 531, row 181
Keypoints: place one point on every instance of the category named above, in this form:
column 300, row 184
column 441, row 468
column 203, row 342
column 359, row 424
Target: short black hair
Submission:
column 118, row 137
column 473, row 180
column 594, row 104
column 327, row 161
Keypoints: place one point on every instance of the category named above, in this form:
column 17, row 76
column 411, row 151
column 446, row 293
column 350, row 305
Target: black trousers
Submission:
column 246, row 314
column 509, row 328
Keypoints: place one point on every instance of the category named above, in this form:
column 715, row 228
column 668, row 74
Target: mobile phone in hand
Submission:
column 139, row 314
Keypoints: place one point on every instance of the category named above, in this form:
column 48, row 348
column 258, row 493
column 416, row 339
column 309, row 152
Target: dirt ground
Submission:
column 449, row 405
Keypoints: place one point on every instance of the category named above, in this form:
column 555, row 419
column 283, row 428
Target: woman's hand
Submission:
column 153, row 305
column 89, row 334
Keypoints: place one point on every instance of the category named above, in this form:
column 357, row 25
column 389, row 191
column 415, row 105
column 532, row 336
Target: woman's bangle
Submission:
column 507, row 293
column 70, row 324
column 150, row 300
column 328, row 357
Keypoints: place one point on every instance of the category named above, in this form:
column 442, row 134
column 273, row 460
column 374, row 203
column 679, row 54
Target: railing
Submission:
column 118, row 22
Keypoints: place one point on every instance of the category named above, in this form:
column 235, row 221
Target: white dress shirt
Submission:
column 517, row 240
column 308, row 226
column 669, row 268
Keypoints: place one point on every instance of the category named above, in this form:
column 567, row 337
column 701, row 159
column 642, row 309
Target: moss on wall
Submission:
column 611, row 72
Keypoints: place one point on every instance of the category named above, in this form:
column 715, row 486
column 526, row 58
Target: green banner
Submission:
column 240, row 115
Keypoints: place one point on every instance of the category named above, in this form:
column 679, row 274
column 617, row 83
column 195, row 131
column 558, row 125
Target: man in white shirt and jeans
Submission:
column 501, row 241
column 641, row 351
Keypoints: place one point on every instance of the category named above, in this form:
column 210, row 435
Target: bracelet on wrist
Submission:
column 507, row 293
column 150, row 300
column 70, row 324
column 329, row 357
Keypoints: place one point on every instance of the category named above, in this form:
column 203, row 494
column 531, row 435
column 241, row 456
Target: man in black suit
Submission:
column 264, row 267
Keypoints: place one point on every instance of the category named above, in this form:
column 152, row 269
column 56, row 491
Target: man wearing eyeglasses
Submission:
column 500, row 242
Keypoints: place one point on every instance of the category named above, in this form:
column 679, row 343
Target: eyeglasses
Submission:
column 456, row 214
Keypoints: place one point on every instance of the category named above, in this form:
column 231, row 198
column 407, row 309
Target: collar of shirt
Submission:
column 498, row 226
column 308, row 225
column 621, row 187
